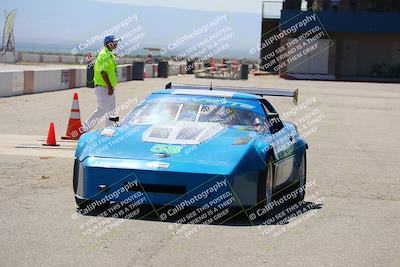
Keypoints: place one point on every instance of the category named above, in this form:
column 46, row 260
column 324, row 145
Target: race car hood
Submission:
column 204, row 147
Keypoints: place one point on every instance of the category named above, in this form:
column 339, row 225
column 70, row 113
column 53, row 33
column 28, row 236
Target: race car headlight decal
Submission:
column 107, row 132
column 81, row 180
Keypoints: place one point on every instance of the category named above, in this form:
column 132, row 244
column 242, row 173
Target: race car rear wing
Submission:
column 249, row 90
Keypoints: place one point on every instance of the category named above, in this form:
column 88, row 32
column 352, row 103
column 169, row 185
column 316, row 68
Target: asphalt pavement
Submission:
column 353, row 166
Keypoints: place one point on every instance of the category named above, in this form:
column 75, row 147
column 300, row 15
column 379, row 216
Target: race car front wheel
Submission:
column 265, row 184
column 82, row 203
column 269, row 182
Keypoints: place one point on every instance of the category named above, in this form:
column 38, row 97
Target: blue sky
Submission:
column 66, row 23
column 248, row 6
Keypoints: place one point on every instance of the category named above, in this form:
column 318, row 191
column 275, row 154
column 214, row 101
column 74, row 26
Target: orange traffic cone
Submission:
column 51, row 136
column 74, row 124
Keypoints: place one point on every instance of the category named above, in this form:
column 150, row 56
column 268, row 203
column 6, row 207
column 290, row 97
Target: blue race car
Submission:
column 190, row 146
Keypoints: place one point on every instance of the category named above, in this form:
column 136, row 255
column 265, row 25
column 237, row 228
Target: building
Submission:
column 332, row 39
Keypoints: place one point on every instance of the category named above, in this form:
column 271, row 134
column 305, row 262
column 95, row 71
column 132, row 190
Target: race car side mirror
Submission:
column 115, row 120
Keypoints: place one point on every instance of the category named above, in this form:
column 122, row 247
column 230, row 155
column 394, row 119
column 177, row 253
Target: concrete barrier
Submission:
column 174, row 68
column 80, row 77
column 31, row 57
column 182, row 69
column 121, row 73
column 44, row 80
column 124, row 72
column 48, row 80
column 68, row 59
column 11, row 83
column 51, row 58
column 62, row 58
column 8, row 57
column 5, row 83
column 36, row 81
column 198, row 66
column 177, row 67
column 151, row 70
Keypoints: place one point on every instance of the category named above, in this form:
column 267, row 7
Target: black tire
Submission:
column 265, row 183
column 300, row 185
column 295, row 186
column 82, row 203
column 269, row 183
column 264, row 192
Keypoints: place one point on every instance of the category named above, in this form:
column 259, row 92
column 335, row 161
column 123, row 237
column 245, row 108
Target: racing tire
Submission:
column 82, row 203
column 265, row 183
column 300, row 185
column 264, row 193
column 269, row 182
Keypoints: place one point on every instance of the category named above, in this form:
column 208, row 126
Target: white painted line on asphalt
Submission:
column 29, row 146
column 43, row 147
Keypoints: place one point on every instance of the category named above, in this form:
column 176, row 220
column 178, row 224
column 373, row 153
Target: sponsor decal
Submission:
column 169, row 149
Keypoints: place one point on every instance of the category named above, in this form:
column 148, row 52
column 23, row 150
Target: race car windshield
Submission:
column 160, row 112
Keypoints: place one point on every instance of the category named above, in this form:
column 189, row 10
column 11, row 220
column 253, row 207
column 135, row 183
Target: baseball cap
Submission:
column 111, row 38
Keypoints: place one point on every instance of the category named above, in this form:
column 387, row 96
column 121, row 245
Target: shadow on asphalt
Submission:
column 279, row 215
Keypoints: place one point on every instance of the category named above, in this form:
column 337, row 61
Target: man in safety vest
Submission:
column 105, row 80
